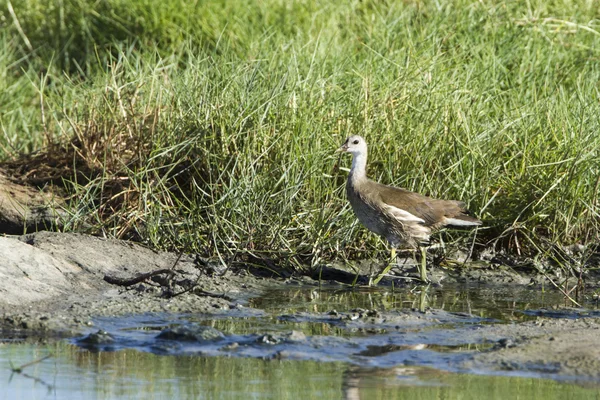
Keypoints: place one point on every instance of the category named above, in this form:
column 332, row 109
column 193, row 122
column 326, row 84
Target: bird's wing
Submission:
column 430, row 211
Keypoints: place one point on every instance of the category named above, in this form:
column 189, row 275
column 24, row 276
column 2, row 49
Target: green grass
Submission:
column 211, row 125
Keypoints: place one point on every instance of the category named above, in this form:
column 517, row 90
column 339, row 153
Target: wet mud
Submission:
column 473, row 321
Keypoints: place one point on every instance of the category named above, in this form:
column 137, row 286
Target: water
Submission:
column 291, row 344
column 128, row 374
column 74, row 373
column 503, row 303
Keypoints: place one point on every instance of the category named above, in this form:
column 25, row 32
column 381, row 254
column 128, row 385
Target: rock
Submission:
column 98, row 341
column 197, row 333
column 268, row 339
column 97, row 338
column 230, row 347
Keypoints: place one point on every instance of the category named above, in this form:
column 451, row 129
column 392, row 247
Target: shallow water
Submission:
column 503, row 303
column 297, row 342
column 74, row 373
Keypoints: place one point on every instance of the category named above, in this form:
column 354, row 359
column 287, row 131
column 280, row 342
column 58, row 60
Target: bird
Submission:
column 405, row 219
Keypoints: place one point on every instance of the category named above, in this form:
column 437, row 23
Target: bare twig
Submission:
column 22, row 367
column 19, row 370
column 141, row 277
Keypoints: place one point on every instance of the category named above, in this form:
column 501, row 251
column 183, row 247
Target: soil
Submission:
column 53, row 284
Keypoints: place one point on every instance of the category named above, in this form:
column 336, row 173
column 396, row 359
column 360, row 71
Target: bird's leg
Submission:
column 387, row 268
column 423, row 299
column 423, row 266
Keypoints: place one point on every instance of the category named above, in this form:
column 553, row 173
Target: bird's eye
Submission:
column 355, row 142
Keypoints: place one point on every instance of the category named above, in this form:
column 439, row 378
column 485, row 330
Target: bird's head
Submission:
column 354, row 145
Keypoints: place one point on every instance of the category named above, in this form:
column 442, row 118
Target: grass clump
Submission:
column 210, row 126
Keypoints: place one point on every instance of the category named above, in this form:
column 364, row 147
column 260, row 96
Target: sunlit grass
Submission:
column 211, row 126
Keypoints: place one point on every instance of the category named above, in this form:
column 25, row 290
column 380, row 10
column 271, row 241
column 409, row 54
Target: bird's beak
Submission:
column 343, row 148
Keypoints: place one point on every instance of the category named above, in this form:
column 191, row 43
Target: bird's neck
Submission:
column 358, row 171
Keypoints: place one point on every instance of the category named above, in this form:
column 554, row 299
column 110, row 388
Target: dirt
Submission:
column 563, row 347
column 55, row 284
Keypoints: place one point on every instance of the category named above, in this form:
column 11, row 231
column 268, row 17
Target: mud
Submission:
column 568, row 348
column 54, row 284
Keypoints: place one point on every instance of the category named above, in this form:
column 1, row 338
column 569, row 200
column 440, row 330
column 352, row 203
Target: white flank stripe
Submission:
column 460, row 222
column 402, row 215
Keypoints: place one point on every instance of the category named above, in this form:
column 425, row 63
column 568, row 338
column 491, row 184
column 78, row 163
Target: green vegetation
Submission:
column 210, row 125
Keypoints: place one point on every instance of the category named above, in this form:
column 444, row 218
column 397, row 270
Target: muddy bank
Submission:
column 56, row 284
column 565, row 347
column 53, row 283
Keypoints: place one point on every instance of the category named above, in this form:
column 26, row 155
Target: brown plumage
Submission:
column 403, row 218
